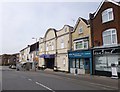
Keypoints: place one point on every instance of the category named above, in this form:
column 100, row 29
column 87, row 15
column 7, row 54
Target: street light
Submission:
column 36, row 52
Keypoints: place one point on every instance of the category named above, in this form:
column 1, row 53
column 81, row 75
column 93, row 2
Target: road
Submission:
column 30, row 80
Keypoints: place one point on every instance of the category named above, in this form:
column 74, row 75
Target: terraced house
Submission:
column 53, row 48
column 24, row 54
column 80, row 57
column 105, row 28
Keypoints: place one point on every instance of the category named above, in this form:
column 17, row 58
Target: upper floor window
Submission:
column 109, row 37
column 81, row 44
column 41, row 49
column 81, row 30
column 47, row 47
column 52, row 46
column 107, row 15
column 62, row 42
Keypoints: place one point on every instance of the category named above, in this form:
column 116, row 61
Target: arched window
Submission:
column 109, row 37
column 52, row 46
column 107, row 15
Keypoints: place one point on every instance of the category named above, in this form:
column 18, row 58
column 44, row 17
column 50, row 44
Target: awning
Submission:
column 50, row 56
column 42, row 56
column 47, row 56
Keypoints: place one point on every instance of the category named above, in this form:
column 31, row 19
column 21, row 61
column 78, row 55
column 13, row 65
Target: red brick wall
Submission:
column 99, row 27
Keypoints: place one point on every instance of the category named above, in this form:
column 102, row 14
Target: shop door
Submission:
column 49, row 62
column 87, row 66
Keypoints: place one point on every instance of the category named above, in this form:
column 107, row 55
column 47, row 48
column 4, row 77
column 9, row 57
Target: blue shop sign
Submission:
column 80, row 54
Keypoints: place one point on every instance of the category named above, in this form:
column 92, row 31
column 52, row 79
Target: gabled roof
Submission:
column 79, row 19
column 111, row 1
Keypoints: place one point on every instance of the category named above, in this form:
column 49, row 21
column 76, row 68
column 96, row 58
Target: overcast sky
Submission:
column 23, row 20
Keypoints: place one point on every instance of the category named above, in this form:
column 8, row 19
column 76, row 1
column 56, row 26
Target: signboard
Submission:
column 79, row 54
column 114, row 71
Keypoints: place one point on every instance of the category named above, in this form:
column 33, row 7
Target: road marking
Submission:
column 30, row 79
column 44, row 86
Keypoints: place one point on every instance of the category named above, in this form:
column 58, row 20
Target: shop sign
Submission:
column 79, row 54
column 100, row 52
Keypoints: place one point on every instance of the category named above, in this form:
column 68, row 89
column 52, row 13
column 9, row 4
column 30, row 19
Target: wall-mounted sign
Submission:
column 79, row 54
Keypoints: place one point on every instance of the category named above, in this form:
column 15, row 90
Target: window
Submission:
column 81, row 44
column 73, row 63
column 107, row 15
column 81, row 64
column 64, row 62
column 47, row 47
column 77, row 63
column 62, row 43
column 81, row 30
column 109, row 37
column 52, row 46
column 85, row 44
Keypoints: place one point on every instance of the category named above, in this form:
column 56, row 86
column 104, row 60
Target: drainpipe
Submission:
column 91, row 16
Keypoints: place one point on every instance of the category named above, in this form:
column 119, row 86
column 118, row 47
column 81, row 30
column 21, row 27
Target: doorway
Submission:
column 49, row 62
column 87, row 66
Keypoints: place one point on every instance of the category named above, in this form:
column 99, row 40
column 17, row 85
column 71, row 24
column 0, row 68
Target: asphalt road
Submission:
column 27, row 80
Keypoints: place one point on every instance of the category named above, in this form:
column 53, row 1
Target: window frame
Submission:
column 111, row 36
column 105, row 13
column 83, row 41
column 46, row 47
column 62, row 43
column 80, row 29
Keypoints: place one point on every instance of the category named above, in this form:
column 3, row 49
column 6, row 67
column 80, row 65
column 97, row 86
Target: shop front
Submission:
column 104, row 58
column 49, row 60
column 80, row 62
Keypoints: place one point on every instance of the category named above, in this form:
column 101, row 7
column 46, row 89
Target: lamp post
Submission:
column 34, row 62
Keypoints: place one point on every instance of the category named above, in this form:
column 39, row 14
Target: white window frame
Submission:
column 80, row 32
column 83, row 41
column 111, row 34
column 46, row 47
column 105, row 13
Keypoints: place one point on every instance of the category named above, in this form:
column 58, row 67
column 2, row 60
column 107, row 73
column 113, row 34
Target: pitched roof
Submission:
column 79, row 19
column 111, row 1
column 86, row 21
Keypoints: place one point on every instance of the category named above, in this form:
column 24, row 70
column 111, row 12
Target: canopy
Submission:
column 47, row 56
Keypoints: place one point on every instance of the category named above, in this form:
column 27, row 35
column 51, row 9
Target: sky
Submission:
column 20, row 21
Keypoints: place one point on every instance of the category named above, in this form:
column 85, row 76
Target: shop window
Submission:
column 73, row 63
column 103, row 63
column 77, row 63
column 107, row 15
column 81, row 64
column 109, row 37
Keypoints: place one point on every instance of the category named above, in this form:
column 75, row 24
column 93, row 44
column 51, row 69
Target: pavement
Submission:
column 52, row 81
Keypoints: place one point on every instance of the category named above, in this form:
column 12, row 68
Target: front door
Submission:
column 87, row 66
